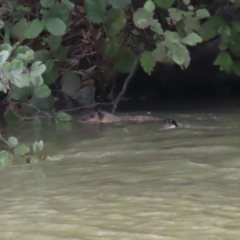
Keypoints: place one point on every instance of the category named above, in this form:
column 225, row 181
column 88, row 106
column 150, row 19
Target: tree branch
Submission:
column 126, row 82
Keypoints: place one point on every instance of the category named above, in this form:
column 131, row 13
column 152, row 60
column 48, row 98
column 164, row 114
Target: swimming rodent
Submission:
column 105, row 117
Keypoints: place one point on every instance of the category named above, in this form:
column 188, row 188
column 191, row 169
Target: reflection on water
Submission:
column 128, row 181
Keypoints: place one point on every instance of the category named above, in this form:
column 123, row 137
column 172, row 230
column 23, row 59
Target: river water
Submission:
column 128, row 181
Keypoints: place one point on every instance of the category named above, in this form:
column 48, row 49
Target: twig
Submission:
column 3, row 139
column 30, row 118
column 87, row 106
column 38, row 110
column 126, row 82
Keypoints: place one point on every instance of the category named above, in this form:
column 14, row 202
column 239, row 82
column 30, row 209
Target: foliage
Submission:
column 19, row 65
column 185, row 25
column 14, row 149
column 17, row 68
column 66, row 42
column 106, row 35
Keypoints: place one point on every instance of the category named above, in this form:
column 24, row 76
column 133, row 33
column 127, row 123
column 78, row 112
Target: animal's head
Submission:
column 92, row 117
column 97, row 117
column 171, row 123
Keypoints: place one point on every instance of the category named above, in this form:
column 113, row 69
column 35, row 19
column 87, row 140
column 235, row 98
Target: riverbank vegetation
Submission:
column 54, row 51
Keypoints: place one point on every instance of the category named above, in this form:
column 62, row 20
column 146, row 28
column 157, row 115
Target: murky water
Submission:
column 128, row 181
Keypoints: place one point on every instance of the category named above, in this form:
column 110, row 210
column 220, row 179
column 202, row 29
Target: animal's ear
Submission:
column 101, row 115
column 91, row 115
column 171, row 121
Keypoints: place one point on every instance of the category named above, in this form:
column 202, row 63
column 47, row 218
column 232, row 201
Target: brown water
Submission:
column 128, row 181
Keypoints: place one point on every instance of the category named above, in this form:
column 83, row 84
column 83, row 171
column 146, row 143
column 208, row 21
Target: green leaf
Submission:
column 49, row 65
column 119, row 4
column 34, row 29
column 4, row 86
column 42, row 91
column 59, row 10
column 179, row 54
column 224, row 60
column 6, row 47
column 190, row 7
column 236, row 3
column 5, row 157
column 159, row 54
column 51, row 76
column 24, row 54
column 95, row 10
column 202, row 13
column 191, row 24
column 37, row 146
column 223, row 46
column 4, row 55
column 16, row 66
column 20, row 80
column 175, row 14
column 21, row 149
column 235, row 47
column 236, row 68
column 37, row 81
column 149, row 6
column 47, row 3
column 19, row 29
column 209, row 28
column 142, row 18
column 37, row 121
column 180, row 28
column 22, row 50
column 67, row 4
column 56, row 26
column 125, row 61
column 61, row 54
column 224, row 30
column 43, row 103
column 54, row 42
column 236, row 27
column 1, row 24
column 171, row 38
column 17, row 93
column 156, row 27
column 164, row 3
column 89, row 72
column 37, row 69
column 70, row 82
column 22, row 8
column 6, row 35
column 112, row 49
column 42, row 55
column 192, row 39
column 147, row 62
column 114, row 22
column 186, row 2
column 62, row 117
column 12, row 142
column 10, row 117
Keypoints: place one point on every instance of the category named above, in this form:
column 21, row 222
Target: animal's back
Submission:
column 140, row 119
column 105, row 117
column 100, row 117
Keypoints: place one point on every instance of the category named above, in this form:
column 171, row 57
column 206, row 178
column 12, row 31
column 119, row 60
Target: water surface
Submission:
column 128, row 181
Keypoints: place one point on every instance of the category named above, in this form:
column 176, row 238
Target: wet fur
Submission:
column 105, row 117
